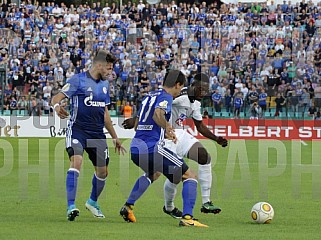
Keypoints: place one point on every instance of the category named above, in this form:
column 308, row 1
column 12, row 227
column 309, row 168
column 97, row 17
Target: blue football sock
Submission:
column 71, row 185
column 98, row 185
column 139, row 188
column 189, row 194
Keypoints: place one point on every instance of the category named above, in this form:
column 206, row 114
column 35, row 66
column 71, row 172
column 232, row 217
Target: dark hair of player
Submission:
column 200, row 78
column 104, row 56
column 173, row 77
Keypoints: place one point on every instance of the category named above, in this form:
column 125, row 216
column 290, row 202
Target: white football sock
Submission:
column 205, row 180
column 170, row 190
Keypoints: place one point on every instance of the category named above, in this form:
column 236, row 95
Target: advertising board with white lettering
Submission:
column 287, row 129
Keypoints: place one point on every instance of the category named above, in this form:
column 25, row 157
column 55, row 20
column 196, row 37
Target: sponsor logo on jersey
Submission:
column 181, row 119
column 145, row 127
column 163, row 104
column 66, row 87
column 90, row 103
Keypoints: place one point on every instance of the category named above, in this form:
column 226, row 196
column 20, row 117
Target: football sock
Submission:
column 71, row 185
column 205, row 180
column 139, row 188
column 189, row 196
column 170, row 190
column 98, row 185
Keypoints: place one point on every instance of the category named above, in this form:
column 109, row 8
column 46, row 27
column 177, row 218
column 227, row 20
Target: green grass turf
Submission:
column 33, row 206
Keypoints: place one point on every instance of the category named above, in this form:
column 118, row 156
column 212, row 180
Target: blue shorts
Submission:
column 93, row 143
column 163, row 160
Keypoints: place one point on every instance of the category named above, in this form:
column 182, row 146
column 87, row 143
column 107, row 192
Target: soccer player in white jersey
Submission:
column 188, row 105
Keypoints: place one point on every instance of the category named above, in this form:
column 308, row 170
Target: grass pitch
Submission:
column 286, row 174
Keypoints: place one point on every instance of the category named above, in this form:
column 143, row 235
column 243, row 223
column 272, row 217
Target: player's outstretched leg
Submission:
column 98, row 185
column 199, row 154
column 205, row 180
column 189, row 198
column 71, row 189
column 170, row 190
column 138, row 190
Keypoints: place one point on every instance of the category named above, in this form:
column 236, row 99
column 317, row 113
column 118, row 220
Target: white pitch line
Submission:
column 303, row 143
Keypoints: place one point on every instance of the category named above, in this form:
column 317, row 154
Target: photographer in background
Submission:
column 255, row 111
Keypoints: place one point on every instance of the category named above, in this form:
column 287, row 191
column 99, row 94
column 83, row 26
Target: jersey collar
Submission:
column 88, row 75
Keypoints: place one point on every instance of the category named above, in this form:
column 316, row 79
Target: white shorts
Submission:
column 184, row 143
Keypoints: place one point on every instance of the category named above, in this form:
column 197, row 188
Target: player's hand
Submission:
column 222, row 141
column 118, row 146
column 61, row 111
column 170, row 133
column 129, row 123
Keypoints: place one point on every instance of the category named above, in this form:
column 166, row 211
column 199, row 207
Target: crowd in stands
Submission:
column 258, row 56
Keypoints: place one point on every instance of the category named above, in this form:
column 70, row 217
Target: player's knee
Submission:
column 76, row 162
column 203, row 156
column 102, row 173
column 189, row 174
column 154, row 177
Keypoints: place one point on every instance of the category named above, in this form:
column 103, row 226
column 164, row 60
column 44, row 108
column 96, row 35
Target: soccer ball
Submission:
column 262, row 212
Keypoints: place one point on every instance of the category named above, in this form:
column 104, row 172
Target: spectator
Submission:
column 305, row 100
column 205, row 114
column 34, row 109
column 237, row 103
column 217, row 100
column 13, row 104
column 318, row 116
column 255, row 111
column 262, row 100
column 253, row 95
column 317, row 96
column 312, row 110
column 262, row 46
column 47, row 90
column 228, row 101
column 46, row 106
column 128, row 110
column 280, row 102
column 112, row 111
column 22, row 103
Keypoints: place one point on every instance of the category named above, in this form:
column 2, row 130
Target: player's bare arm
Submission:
column 58, row 106
column 110, row 128
column 160, row 120
column 201, row 127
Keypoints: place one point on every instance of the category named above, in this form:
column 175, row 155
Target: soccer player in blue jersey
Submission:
column 151, row 152
column 188, row 104
column 89, row 94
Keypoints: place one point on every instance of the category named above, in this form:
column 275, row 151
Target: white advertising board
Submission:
column 13, row 126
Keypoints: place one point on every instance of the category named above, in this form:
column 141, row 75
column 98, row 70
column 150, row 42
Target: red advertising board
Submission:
column 285, row 129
